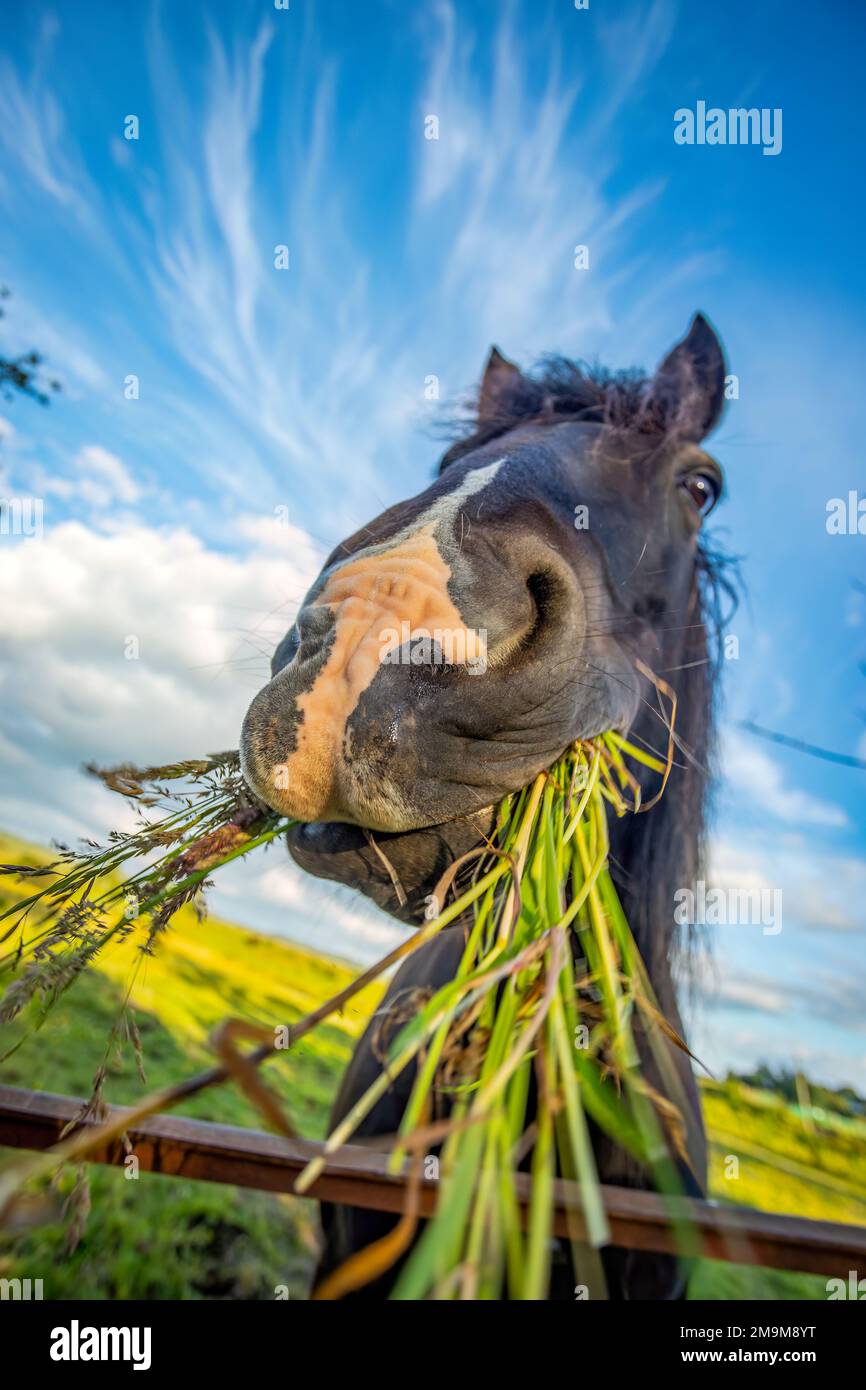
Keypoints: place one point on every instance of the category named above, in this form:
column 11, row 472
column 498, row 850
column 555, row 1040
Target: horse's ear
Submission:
column 689, row 386
column 500, row 380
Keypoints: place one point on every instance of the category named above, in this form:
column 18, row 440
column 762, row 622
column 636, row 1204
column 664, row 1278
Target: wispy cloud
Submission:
column 103, row 478
column 635, row 41
column 506, row 192
column 289, row 351
column 821, row 889
column 755, row 778
column 34, row 132
column 825, row 995
column 291, row 378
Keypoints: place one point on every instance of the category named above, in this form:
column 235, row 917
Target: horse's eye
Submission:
column 703, row 490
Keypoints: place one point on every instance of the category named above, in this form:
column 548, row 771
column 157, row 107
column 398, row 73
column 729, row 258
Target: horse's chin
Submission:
column 397, row 871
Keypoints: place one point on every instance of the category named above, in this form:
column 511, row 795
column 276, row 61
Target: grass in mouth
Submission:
column 549, row 987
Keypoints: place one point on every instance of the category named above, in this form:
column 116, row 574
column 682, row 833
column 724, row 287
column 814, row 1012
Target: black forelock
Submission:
column 558, row 389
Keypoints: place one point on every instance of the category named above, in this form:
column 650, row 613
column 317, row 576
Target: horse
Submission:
column 565, row 525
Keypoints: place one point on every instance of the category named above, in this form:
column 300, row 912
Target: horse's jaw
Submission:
column 398, row 872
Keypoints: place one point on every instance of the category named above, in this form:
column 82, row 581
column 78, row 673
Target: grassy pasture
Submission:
column 167, row 1238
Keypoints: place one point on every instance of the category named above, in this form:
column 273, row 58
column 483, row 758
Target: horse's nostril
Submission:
column 313, row 623
column 542, row 590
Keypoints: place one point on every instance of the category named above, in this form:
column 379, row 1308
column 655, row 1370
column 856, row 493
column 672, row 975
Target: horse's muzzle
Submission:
column 403, row 706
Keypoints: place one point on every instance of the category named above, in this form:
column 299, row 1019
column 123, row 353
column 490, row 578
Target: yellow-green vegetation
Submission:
column 785, row 1161
column 199, row 973
column 767, row 1153
column 164, row 1238
column 158, row 1237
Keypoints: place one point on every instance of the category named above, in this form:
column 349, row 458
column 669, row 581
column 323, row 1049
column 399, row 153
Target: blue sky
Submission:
column 277, row 410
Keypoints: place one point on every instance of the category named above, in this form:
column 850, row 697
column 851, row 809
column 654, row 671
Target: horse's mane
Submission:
column 663, row 850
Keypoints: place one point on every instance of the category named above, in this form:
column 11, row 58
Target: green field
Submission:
column 159, row 1237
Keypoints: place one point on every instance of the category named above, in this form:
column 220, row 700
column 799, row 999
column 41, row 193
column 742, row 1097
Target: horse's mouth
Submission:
column 396, row 870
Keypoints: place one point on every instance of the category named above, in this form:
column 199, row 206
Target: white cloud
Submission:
column 821, row 889
column 817, row 995
column 635, row 41
column 284, row 885
column 504, row 194
column 290, row 356
column 810, row 1018
column 62, row 344
column 752, row 775
column 294, row 379
column 204, row 623
column 722, row 1047
column 103, row 478
column 752, row 994
column 33, row 130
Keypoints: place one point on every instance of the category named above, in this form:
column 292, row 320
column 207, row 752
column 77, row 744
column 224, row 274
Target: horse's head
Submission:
column 457, row 644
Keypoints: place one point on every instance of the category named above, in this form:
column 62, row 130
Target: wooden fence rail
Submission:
column 355, row 1174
